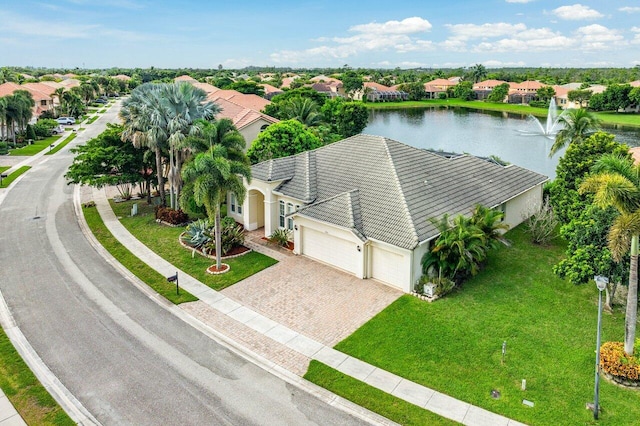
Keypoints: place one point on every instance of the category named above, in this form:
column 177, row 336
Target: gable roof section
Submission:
column 238, row 114
column 341, row 210
column 399, row 187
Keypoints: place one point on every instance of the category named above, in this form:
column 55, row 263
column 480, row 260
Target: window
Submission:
column 233, row 203
column 289, row 219
column 281, row 214
column 239, row 207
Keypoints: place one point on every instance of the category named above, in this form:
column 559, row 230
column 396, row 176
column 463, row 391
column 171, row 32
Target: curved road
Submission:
column 124, row 357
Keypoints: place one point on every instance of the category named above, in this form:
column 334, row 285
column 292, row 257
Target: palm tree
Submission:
column 304, row 110
column 183, row 104
column 489, row 221
column 4, row 101
column 144, row 126
column 209, row 176
column 616, row 182
column 478, row 72
column 219, row 132
column 58, row 94
column 578, row 125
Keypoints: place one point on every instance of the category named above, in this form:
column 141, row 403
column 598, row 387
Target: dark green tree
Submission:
column 282, row 139
column 351, row 82
column 498, row 93
column 463, row 90
column 247, row 87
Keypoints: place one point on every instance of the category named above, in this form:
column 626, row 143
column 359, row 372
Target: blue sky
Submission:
column 379, row 34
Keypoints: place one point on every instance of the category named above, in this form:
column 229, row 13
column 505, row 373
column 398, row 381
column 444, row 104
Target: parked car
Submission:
column 57, row 130
column 100, row 101
column 66, row 120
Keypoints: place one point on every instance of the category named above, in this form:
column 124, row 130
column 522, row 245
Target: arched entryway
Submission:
column 256, row 210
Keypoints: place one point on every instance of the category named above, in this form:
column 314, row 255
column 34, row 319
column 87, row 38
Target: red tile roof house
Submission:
column 243, row 110
column 363, row 204
column 376, row 92
column 433, row 88
column 525, row 92
column 39, row 92
column 482, row 89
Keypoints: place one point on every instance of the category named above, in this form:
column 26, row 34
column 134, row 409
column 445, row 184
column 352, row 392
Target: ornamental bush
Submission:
column 614, row 361
column 174, row 217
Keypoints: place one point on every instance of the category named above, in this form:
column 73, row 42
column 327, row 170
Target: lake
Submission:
column 478, row 133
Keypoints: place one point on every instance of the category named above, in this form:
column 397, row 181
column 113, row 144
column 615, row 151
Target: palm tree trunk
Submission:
column 218, row 240
column 631, row 314
column 159, row 175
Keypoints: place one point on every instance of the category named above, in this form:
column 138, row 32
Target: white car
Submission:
column 66, row 120
column 57, row 130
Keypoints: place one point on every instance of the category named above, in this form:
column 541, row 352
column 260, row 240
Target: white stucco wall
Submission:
column 251, row 131
column 395, row 261
column 522, row 206
column 417, row 254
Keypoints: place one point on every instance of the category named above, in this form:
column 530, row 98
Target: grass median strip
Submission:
column 62, row 144
column 35, row 147
column 13, row 176
column 373, row 399
column 140, row 269
column 26, row 393
column 163, row 240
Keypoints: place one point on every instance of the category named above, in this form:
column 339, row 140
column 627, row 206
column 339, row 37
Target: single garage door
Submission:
column 329, row 249
column 387, row 266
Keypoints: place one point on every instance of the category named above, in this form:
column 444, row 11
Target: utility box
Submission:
column 429, row 290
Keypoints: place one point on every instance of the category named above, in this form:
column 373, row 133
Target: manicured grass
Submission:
column 34, row 148
column 628, row 119
column 92, row 119
column 102, row 111
column 163, row 240
column 371, row 398
column 26, row 393
column 4, row 169
column 13, row 176
column 62, row 144
column 140, row 269
column 454, row 344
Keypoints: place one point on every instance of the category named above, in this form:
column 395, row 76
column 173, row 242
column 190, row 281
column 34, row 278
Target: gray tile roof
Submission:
column 391, row 188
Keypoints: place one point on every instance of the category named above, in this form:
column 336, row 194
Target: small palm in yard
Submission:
column 208, row 178
column 616, row 182
column 578, row 125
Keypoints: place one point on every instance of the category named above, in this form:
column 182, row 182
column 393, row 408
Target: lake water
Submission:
column 478, row 133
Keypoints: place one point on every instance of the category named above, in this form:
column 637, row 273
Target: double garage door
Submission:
column 385, row 265
column 330, row 249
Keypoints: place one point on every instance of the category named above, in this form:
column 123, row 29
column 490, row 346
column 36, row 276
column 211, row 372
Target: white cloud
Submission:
column 406, row 26
column 629, row 9
column 576, row 12
column 598, row 37
column 17, row 24
column 395, row 36
column 499, row 64
column 469, row 31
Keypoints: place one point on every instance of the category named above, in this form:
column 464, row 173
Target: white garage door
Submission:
column 387, row 266
column 329, row 249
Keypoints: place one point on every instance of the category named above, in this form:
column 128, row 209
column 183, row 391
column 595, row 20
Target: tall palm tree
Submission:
column 209, row 176
column 4, row 101
column 616, row 182
column 578, row 125
column 489, row 221
column 183, row 103
column 144, row 126
column 478, row 72
column 58, row 94
column 220, row 132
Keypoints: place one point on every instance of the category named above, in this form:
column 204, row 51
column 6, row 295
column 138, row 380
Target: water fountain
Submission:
column 552, row 125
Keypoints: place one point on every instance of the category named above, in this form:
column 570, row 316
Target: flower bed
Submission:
column 618, row 366
column 236, row 251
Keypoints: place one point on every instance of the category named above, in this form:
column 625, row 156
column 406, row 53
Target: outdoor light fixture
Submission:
column 295, row 227
column 601, row 283
column 359, row 248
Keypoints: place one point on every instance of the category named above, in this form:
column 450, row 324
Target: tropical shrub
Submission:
column 4, row 148
column 542, row 224
column 280, row 237
column 616, row 362
column 197, row 234
column 171, row 216
column 231, row 235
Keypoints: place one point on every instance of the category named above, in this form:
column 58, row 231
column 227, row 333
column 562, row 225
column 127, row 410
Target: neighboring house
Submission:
column 286, row 81
column 363, row 204
column 433, row 88
column 483, row 89
column 331, row 86
column 186, row 78
column 270, row 91
column 562, row 94
column 525, row 92
column 122, row 77
column 43, row 101
column 376, row 92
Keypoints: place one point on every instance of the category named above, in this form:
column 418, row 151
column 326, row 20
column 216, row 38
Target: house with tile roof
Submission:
column 41, row 97
column 363, row 204
column 376, row 92
column 483, row 89
column 525, row 92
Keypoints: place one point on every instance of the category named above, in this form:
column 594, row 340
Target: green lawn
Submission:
column 164, row 241
column 25, row 392
column 4, row 168
column 62, row 144
column 454, row 345
column 628, row 119
column 13, row 176
column 92, row 119
column 36, row 147
column 380, row 402
column 140, row 269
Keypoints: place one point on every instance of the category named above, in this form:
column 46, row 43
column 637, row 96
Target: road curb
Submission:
column 323, row 394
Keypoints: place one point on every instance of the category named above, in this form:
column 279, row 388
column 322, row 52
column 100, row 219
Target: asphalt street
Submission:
column 127, row 359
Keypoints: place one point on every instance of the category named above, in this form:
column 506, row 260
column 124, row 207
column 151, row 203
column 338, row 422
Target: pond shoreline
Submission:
column 608, row 118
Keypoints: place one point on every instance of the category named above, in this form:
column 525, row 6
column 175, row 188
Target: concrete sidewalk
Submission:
column 234, row 319
column 8, row 414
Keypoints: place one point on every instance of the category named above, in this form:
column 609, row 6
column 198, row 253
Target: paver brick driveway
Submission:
column 312, row 298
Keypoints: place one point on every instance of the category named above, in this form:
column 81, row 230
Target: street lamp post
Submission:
column 601, row 283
